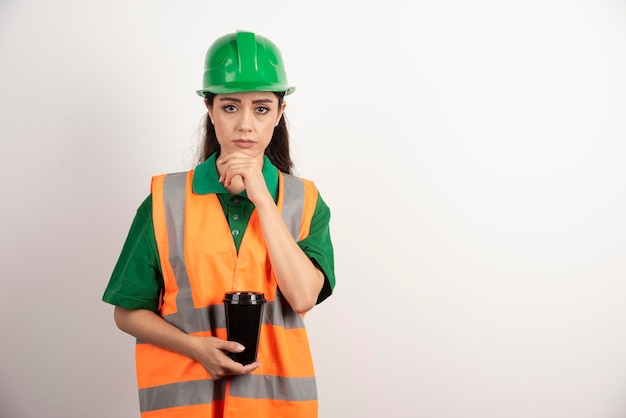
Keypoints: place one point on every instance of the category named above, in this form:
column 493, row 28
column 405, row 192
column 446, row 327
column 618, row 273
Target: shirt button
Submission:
column 235, row 200
column 236, row 216
column 235, row 232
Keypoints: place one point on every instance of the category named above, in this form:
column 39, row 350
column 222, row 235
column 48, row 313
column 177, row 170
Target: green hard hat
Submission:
column 243, row 61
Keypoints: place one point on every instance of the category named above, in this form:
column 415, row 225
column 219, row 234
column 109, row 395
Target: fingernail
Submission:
column 240, row 347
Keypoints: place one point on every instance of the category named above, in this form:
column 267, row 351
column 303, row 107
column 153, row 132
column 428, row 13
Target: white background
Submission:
column 472, row 154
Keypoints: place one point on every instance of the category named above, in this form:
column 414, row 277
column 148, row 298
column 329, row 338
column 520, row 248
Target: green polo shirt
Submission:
column 137, row 280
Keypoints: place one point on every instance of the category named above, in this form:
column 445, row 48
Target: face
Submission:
column 245, row 121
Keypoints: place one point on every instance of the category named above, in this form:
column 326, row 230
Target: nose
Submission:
column 245, row 122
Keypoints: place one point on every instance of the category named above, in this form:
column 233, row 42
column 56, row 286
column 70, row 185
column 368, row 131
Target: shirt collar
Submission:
column 205, row 178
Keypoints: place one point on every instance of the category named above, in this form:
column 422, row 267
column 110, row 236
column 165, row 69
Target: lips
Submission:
column 244, row 143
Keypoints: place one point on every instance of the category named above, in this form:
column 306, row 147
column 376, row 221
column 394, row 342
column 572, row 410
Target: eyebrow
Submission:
column 234, row 99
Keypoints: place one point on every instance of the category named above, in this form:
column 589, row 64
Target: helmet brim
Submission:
column 241, row 88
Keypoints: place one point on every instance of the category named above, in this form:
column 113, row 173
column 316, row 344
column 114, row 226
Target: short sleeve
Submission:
column 319, row 248
column 137, row 281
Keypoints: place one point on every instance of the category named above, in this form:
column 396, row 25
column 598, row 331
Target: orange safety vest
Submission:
column 200, row 263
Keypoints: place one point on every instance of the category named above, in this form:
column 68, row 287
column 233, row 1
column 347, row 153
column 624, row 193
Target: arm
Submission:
column 134, row 289
column 299, row 280
column 149, row 327
column 297, row 277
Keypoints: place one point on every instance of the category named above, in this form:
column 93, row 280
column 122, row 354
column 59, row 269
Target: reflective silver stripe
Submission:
column 258, row 386
column 174, row 189
column 280, row 314
column 199, row 319
column 212, row 317
column 195, row 392
column 293, row 204
column 253, row 386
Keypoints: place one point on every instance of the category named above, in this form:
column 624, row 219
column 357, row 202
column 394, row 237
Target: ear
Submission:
column 280, row 113
column 209, row 110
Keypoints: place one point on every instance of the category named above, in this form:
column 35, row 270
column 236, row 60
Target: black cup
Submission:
column 244, row 312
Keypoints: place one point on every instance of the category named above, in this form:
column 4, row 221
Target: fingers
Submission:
column 233, row 166
column 236, row 159
column 248, row 368
column 233, row 347
column 246, row 168
column 222, row 365
column 233, row 368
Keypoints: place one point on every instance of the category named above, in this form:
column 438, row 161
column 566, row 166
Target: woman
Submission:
column 238, row 221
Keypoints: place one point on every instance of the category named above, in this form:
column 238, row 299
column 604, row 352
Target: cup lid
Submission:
column 244, row 298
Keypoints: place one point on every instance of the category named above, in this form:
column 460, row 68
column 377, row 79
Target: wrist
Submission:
column 190, row 346
column 265, row 203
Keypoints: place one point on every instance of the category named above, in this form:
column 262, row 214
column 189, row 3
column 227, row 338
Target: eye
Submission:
column 262, row 109
column 230, row 108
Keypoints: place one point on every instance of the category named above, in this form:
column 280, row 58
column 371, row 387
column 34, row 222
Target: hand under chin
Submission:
column 236, row 185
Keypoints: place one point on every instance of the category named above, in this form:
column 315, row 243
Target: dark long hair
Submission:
column 277, row 150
